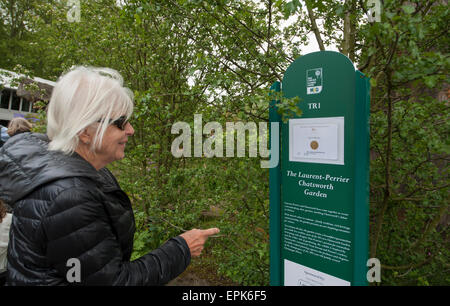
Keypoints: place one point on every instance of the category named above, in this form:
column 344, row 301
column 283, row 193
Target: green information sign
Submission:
column 319, row 191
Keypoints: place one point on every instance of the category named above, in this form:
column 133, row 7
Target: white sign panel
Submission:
column 299, row 275
column 317, row 140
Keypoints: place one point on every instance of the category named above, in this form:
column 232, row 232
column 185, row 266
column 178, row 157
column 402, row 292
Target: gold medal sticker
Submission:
column 314, row 145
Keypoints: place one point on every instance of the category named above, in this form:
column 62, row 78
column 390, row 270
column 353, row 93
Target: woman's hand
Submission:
column 196, row 239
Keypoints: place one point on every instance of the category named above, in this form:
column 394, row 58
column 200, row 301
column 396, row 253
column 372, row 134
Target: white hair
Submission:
column 81, row 97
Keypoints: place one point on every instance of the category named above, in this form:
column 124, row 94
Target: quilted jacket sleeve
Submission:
column 77, row 226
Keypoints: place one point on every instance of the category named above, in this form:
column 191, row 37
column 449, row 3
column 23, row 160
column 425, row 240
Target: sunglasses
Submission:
column 120, row 122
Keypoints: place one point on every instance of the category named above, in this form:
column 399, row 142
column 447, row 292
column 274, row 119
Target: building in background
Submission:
column 19, row 94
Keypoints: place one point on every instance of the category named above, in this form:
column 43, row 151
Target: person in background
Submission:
column 5, row 220
column 3, row 135
column 18, row 125
column 5, row 223
column 72, row 223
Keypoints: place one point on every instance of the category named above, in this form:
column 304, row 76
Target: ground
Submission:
column 201, row 272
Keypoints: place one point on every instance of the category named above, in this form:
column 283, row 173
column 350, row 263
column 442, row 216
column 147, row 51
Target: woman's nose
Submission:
column 129, row 130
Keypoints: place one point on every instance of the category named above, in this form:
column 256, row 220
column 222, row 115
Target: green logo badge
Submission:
column 314, row 81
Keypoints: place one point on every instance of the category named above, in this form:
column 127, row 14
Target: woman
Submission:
column 18, row 125
column 71, row 221
column 5, row 223
column 3, row 135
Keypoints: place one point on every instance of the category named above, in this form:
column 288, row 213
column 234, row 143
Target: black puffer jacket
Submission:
column 64, row 208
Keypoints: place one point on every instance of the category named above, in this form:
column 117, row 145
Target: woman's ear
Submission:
column 85, row 136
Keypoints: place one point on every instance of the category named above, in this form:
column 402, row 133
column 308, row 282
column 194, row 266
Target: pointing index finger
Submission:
column 211, row 231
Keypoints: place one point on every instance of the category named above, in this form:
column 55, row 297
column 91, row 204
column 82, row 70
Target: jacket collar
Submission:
column 26, row 164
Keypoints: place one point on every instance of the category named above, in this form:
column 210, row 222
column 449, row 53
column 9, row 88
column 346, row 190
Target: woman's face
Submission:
column 114, row 141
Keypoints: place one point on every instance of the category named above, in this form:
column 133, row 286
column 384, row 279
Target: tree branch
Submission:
column 315, row 29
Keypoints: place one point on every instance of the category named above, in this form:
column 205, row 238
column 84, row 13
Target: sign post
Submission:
column 319, row 192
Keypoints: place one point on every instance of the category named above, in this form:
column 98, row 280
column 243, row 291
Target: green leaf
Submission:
column 138, row 19
column 431, row 81
column 408, row 9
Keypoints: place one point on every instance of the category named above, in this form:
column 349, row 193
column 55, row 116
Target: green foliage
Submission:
column 409, row 143
column 218, row 59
